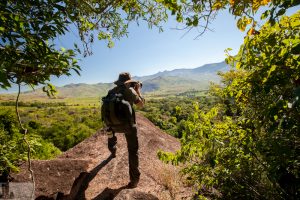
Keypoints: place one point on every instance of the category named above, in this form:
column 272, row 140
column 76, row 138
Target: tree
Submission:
column 247, row 146
column 28, row 29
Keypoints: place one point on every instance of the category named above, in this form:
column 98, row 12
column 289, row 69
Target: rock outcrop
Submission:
column 88, row 171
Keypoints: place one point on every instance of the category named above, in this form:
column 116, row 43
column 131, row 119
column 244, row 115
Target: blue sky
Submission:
column 146, row 51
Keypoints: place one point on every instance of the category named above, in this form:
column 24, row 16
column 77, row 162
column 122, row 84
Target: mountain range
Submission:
column 167, row 82
column 182, row 80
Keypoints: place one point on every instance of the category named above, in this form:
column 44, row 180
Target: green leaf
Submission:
column 281, row 12
column 265, row 15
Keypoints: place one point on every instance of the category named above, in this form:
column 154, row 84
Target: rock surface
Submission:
column 88, row 171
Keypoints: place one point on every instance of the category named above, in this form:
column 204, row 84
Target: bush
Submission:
column 12, row 148
column 247, row 145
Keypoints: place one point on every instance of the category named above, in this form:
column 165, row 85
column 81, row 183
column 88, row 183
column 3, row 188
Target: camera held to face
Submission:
column 133, row 84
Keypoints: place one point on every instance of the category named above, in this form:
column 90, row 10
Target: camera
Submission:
column 133, row 84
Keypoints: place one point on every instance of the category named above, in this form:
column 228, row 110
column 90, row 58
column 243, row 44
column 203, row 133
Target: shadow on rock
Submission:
column 110, row 194
column 80, row 184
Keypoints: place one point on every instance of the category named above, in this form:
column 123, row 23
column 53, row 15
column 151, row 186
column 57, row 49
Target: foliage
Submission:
column 33, row 104
column 43, row 149
column 10, row 139
column 58, row 125
column 13, row 148
column 247, row 146
column 200, row 13
column 28, row 30
column 170, row 113
column 52, row 128
column 27, row 54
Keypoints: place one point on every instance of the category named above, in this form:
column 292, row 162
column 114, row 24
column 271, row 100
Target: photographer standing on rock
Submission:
column 128, row 90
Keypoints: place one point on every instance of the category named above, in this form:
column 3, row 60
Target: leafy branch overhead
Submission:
column 200, row 14
column 28, row 30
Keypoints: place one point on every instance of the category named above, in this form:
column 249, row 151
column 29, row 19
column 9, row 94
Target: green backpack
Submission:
column 115, row 110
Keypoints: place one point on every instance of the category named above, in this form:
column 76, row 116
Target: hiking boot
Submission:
column 111, row 144
column 132, row 184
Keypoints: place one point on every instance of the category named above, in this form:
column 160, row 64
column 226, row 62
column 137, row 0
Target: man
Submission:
column 130, row 90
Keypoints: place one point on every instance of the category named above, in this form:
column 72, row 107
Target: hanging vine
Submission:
column 24, row 130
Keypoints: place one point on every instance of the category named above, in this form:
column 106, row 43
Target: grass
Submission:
column 85, row 101
column 170, row 178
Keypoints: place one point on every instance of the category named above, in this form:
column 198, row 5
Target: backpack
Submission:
column 115, row 110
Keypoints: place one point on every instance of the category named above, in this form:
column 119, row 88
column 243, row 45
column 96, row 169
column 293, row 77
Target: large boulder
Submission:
column 88, row 171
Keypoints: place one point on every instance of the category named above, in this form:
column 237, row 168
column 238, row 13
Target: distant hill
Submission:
column 166, row 82
column 80, row 90
column 172, row 85
column 206, row 72
column 182, row 80
column 84, row 90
